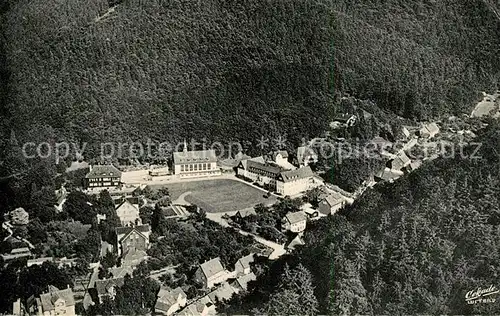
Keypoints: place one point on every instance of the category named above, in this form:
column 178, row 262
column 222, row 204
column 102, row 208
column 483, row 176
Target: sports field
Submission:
column 222, row 195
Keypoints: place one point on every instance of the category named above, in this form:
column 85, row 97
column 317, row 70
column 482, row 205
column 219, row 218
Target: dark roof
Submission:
column 125, row 231
column 301, row 173
column 103, row 286
column 195, row 156
column 261, row 168
column 246, row 212
column 100, row 171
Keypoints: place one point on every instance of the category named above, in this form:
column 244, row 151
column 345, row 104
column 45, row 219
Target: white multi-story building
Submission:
column 198, row 163
column 296, row 181
column 56, row 302
column 295, row 222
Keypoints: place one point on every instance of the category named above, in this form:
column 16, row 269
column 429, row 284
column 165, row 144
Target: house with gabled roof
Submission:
column 170, row 301
column 296, row 181
column 210, row 273
column 306, row 155
column 241, row 283
column 128, row 213
column 332, row 203
column 103, row 176
column 260, row 171
column 202, row 307
column 399, row 162
column 132, row 238
column 429, row 130
column 107, row 287
column 388, row 174
column 294, row 222
column 56, row 302
column 242, row 266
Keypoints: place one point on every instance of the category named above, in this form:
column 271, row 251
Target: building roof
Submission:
column 246, row 260
column 246, row 212
column 103, row 286
column 47, row 300
column 243, row 163
column 430, row 128
column 263, row 167
column 334, row 199
column 222, row 293
column 304, row 152
column 126, row 206
column 295, row 217
column 297, row 174
column 125, row 231
column 283, row 154
column 243, row 280
column 400, row 161
column 297, row 241
column 100, row 171
column 196, row 156
column 120, row 272
column 211, row 267
column 387, row 174
column 167, row 298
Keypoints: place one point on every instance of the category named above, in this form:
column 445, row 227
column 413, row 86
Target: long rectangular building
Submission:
column 195, row 163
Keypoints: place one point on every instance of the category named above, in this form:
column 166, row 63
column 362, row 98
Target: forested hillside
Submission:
column 237, row 70
column 416, row 246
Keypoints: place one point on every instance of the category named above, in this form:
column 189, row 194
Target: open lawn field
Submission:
column 222, row 195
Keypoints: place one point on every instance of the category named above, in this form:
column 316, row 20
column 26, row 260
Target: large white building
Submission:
column 199, row 163
column 296, row 181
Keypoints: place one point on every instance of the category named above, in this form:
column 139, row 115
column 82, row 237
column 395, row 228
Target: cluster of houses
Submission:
column 221, row 284
column 400, row 163
column 54, row 302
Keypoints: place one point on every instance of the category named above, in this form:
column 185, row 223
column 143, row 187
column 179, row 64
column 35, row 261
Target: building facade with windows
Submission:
column 198, row 163
column 103, row 176
column 295, row 181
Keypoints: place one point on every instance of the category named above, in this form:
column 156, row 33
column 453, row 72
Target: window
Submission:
column 182, row 167
column 190, row 167
column 195, row 167
column 209, row 167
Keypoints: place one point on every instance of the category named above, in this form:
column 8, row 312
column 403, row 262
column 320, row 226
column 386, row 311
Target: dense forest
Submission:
column 415, row 246
column 224, row 71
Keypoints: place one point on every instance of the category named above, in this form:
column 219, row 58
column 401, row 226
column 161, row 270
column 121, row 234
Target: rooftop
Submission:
column 295, row 217
column 212, row 267
column 195, row 156
column 103, row 286
column 100, row 171
column 47, row 300
column 297, row 174
column 246, row 260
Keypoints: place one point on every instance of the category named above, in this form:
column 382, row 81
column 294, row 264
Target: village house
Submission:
column 56, row 302
column 429, row 130
column 103, row 176
column 128, row 214
column 241, row 283
column 294, row 222
column 242, row 266
column 107, row 288
column 170, row 301
column 295, row 181
column 210, row 273
column 332, row 203
column 132, row 238
column 305, row 156
column 222, row 293
column 280, row 158
column 244, row 213
column 198, row 163
column 387, row 174
column 297, row 241
column 202, row 307
column 401, row 161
